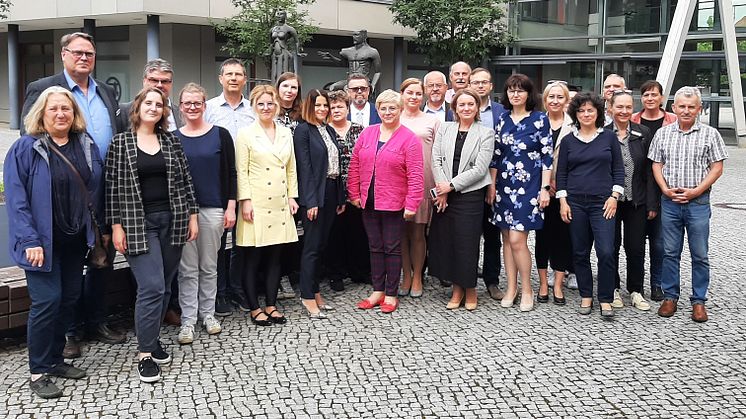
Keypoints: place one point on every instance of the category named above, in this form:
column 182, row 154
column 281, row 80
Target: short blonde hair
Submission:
column 192, row 87
column 550, row 86
column 34, row 121
column 260, row 90
column 389, row 96
column 464, row 92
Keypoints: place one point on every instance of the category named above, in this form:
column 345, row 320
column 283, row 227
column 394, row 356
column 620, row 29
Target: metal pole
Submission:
column 734, row 73
column 14, row 84
column 682, row 18
column 89, row 27
column 154, row 37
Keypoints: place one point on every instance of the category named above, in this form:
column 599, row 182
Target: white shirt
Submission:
column 361, row 116
column 219, row 112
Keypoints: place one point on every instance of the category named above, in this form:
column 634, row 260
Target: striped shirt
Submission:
column 687, row 155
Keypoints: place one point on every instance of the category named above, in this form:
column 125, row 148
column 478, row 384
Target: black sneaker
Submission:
column 223, row 307
column 149, row 371
column 159, row 355
column 67, row 371
column 337, row 284
column 45, row 388
column 240, row 302
column 656, row 294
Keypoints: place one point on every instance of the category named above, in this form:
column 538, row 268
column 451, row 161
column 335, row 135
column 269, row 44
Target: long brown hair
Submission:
column 161, row 125
column 295, row 112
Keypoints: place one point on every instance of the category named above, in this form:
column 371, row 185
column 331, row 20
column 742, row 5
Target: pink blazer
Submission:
column 398, row 168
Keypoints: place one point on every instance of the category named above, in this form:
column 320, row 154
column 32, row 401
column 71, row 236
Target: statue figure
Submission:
column 361, row 58
column 282, row 59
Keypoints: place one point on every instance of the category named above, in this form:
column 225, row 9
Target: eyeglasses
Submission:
column 156, row 82
column 515, row 91
column 551, row 82
column 195, row 105
column 265, row 105
column 480, row 82
column 78, row 54
column 358, row 89
column 388, row 109
column 435, row 86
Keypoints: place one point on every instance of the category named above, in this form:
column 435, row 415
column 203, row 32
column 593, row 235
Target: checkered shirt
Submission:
column 687, row 155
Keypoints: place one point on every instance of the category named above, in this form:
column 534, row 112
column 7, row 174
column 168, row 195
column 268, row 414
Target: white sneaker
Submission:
column 638, row 301
column 618, row 302
column 571, row 281
column 212, row 325
column 186, row 334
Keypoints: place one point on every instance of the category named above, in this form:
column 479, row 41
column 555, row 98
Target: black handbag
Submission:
column 101, row 255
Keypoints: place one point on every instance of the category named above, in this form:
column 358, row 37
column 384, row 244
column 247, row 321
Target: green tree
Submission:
column 449, row 31
column 4, row 8
column 248, row 32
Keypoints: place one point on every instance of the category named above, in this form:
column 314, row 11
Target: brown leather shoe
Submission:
column 172, row 318
column 71, row 349
column 667, row 308
column 699, row 313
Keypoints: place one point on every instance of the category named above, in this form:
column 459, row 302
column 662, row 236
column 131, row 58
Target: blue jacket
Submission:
column 28, row 195
column 374, row 117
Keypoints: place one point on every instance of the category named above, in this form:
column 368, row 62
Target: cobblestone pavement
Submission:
column 424, row 361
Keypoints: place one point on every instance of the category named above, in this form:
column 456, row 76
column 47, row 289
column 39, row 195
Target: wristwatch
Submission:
column 615, row 197
column 546, row 187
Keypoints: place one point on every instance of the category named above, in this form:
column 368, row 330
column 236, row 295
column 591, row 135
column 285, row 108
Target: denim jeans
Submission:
column 154, row 272
column 53, row 296
column 589, row 228
column 655, row 240
column 694, row 217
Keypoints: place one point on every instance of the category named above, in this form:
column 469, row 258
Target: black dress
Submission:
column 453, row 241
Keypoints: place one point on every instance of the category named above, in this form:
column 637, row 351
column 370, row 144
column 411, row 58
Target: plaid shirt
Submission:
column 687, row 155
column 124, row 198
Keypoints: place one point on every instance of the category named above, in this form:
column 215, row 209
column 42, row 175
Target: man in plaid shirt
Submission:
column 687, row 160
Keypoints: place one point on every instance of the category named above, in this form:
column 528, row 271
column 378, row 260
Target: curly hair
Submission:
column 581, row 99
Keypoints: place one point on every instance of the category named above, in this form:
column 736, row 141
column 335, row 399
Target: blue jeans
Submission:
column 655, row 240
column 154, row 271
column 694, row 217
column 53, row 297
column 589, row 228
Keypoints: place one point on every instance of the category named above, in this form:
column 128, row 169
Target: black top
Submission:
column 69, row 203
column 371, row 201
column 653, row 125
column 151, row 169
column 212, row 162
column 460, row 140
column 555, row 136
column 590, row 168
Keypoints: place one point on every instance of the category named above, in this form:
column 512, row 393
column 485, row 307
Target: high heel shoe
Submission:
column 470, row 306
column 265, row 322
column 585, row 310
column 527, row 302
column 319, row 315
column 508, row 301
column 452, row 305
column 389, row 308
column 403, row 292
column 366, row 304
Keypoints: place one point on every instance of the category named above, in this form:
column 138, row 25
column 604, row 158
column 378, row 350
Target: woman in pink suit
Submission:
column 386, row 181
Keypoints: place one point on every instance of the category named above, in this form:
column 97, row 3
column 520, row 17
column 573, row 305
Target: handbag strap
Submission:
column 74, row 169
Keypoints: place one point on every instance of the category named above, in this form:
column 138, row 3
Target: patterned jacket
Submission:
column 124, row 198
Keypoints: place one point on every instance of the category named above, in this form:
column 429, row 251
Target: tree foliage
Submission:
column 449, row 31
column 5, row 8
column 248, row 32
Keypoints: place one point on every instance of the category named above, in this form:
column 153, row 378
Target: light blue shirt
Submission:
column 219, row 112
column 95, row 112
column 440, row 113
column 485, row 117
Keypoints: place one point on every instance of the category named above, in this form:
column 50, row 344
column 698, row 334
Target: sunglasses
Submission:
column 551, row 82
column 622, row 92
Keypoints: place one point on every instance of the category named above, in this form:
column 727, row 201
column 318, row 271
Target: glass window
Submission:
column 633, row 17
column 552, row 18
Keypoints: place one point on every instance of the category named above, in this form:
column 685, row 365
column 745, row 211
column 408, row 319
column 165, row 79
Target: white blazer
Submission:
column 473, row 169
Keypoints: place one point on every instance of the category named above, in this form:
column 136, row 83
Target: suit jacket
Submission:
column 644, row 188
column 35, row 88
column 374, row 117
column 476, row 155
column 124, row 116
column 313, row 163
column 266, row 176
column 565, row 129
column 124, row 198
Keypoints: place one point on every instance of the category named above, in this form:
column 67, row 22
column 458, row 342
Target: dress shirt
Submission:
column 439, row 113
column 97, row 120
column 219, row 112
column 360, row 116
column 485, row 116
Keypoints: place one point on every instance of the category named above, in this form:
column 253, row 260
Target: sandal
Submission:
column 276, row 319
column 263, row 322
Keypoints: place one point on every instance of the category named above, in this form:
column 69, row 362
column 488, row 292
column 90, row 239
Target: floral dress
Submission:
column 522, row 152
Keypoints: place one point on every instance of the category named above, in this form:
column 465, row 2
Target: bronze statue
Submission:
column 361, row 58
column 282, row 59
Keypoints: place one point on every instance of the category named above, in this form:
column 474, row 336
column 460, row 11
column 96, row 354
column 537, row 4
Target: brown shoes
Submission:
column 172, row 318
column 667, row 308
column 699, row 313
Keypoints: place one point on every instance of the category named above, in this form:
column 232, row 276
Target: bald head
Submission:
column 459, row 75
column 613, row 82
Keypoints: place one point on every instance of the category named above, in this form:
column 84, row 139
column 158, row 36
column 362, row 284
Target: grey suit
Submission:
column 473, row 170
column 35, row 88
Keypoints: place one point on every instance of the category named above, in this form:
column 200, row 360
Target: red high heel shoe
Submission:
column 367, row 305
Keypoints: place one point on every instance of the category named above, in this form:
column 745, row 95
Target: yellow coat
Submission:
column 266, row 176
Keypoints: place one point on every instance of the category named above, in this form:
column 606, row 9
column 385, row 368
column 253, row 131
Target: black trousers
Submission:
column 315, row 237
column 553, row 243
column 248, row 261
column 492, row 243
column 633, row 220
column 347, row 253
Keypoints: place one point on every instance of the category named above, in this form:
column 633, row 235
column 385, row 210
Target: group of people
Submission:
column 381, row 191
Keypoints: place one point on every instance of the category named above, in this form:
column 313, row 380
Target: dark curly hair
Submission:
column 521, row 81
column 581, row 99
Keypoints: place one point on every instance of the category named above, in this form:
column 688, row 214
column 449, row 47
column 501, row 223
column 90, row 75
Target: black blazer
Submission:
column 312, row 162
column 35, row 88
column 645, row 191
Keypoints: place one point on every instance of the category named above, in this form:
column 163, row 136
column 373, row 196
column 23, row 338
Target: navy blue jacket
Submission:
column 312, row 162
column 374, row 117
column 496, row 108
column 28, row 195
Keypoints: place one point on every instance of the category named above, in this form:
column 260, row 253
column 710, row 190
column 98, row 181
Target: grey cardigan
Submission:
column 473, row 170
